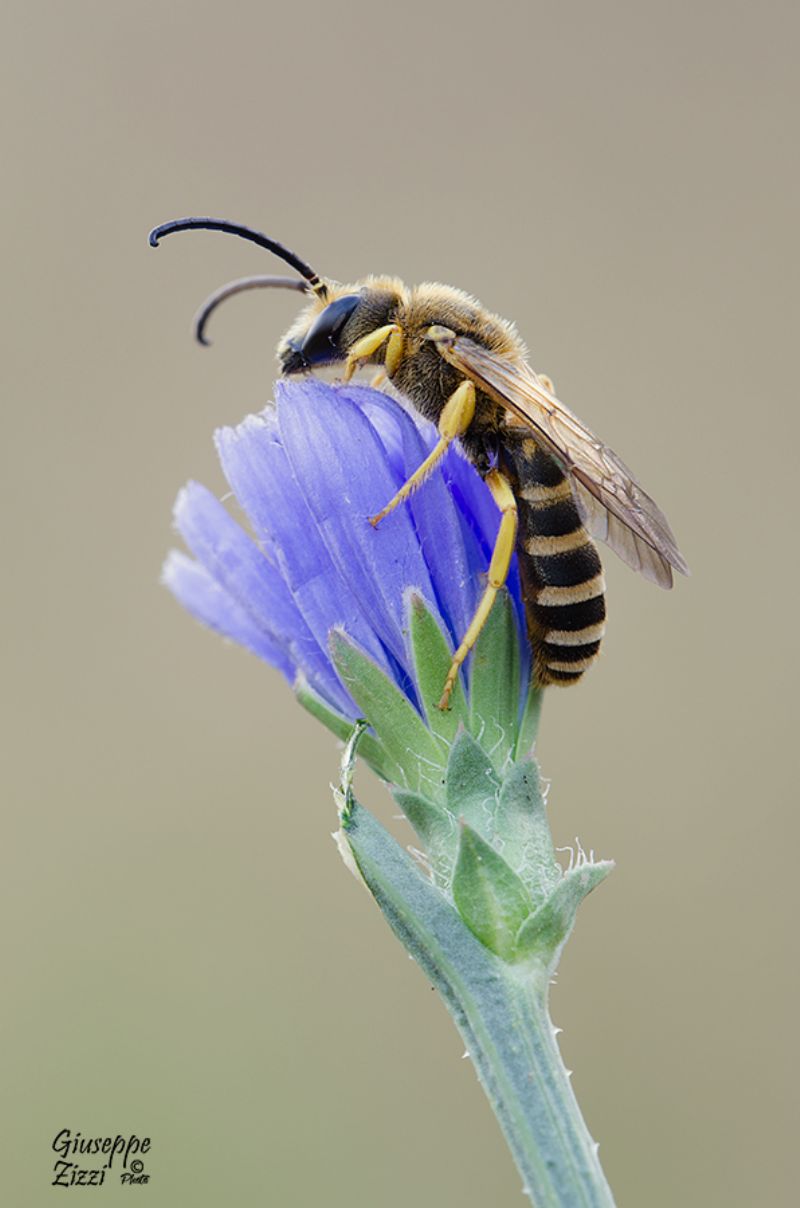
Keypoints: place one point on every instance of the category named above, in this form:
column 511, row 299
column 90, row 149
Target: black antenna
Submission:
column 233, row 228
column 238, row 287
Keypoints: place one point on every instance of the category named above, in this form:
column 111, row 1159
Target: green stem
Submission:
column 520, row 1068
column 501, row 1012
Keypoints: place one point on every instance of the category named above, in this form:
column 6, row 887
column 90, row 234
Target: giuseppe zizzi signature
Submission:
column 85, row 1161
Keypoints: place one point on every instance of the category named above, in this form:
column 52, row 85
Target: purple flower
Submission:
column 307, row 473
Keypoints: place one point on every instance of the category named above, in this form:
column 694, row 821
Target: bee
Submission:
column 555, row 484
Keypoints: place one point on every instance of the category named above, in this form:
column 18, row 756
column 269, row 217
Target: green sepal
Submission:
column 432, row 658
column 399, row 728
column 495, row 683
column 522, row 827
column 529, row 726
column 490, row 897
column 437, row 831
column 472, row 784
column 544, row 933
column 342, row 727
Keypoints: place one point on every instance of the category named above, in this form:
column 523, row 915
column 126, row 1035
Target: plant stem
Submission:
column 522, row 1072
column 501, row 1012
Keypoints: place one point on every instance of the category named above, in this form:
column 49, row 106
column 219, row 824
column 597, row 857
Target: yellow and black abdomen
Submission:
column 560, row 569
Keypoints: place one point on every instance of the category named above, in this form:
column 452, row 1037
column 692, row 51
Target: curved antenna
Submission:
column 234, row 228
column 238, row 287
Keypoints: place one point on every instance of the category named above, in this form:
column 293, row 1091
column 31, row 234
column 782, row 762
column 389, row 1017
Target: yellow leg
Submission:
column 368, row 345
column 503, row 496
column 456, row 417
column 395, row 350
column 378, row 380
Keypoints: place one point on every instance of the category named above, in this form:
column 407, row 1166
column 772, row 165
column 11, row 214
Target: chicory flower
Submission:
column 326, row 598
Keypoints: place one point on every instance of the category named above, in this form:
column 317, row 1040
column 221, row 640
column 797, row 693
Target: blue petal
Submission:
column 244, row 573
column 201, row 595
column 330, row 444
column 257, row 469
column 385, row 416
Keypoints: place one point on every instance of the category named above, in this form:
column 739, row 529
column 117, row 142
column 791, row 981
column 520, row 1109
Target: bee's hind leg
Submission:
column 502, row 554
column 456, row 417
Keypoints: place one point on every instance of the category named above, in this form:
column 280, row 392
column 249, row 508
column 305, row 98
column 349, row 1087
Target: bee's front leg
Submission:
column 368, row 345
column 455, row 418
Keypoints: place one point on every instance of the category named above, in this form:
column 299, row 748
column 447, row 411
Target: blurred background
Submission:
column 184, row 955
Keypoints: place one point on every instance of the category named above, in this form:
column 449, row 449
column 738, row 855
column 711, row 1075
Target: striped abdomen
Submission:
column 562, row 577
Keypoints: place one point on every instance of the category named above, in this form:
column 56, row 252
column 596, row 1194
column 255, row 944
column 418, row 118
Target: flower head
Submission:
column 363, row 622
column 322, row 595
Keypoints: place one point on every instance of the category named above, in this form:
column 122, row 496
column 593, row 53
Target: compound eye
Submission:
column 321, row 344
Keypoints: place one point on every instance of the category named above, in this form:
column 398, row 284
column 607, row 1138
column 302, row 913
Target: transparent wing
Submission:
column 614, row 507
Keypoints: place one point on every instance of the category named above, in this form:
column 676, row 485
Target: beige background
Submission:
column 184, row 955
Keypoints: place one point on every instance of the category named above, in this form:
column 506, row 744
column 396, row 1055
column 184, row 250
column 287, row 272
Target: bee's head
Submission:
column 336, row 315
column 320, row 334
column 327, row 329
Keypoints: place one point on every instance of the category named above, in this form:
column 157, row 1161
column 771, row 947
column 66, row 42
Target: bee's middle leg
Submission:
column 502, row 554
column 456, row 417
